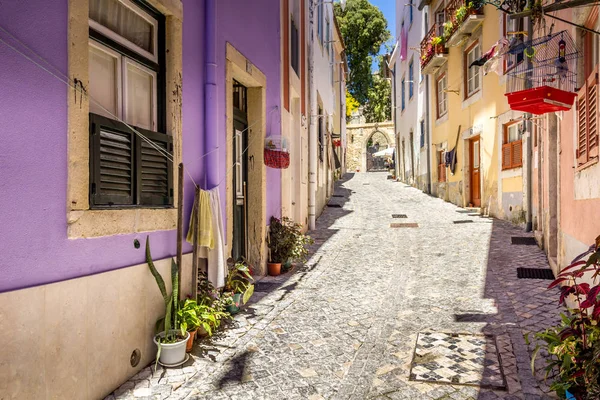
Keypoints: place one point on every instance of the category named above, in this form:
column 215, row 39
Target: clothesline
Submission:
column 62, row 77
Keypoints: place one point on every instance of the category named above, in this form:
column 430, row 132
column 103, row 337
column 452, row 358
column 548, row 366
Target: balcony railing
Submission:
column 433, row 51
column 462, row 19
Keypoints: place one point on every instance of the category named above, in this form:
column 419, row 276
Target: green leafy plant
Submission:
column 286, row 241
column 436, row 40
column 239, row 280
column 449, row 28
column 214, row 301
column 574, row 345
column 461, row 13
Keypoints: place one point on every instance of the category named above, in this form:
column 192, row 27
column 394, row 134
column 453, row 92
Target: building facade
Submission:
column 203, row 77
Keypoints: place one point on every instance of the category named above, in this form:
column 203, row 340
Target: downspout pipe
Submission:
column 211, row 136
column 312, row 126
column 428, row 135
column 528, row 215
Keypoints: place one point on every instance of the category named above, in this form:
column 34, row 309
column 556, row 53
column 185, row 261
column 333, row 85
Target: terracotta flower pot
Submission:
column 190, row 341
column 274, row 269
column 201, row 332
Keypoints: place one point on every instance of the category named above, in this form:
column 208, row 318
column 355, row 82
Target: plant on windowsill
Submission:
column 574, row 345
column 239, row 286
column 286, row 244
column 171, row 337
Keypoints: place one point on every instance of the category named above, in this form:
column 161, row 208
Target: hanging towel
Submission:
column 217, row 263
column 206, row 237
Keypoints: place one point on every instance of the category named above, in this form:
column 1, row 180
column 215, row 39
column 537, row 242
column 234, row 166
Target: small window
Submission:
column 512, row 27
column 422, row 135
column 125, row 77
column 411, row 77
column 472, row 75
column 512, row 146
column 403, row 90
column 320, row 22
column 321, row 119
column 410, row 12
column 295, row 48
column 327, row 36
column 441, row 166
column 442, row 96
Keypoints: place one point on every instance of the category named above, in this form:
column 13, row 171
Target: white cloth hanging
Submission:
column 216, row 265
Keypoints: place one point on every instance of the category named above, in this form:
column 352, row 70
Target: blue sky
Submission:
column 388, row 7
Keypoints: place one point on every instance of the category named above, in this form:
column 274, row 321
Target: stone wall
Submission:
column 358, row 135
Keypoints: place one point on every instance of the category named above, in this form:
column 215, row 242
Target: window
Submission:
column 512, row 146
column 126, row 74
column 403, row 94
column 422, row 129
column 510, row 26
column 320, row 22
column 441, row 166
column 442, row 96
column 410, row 12
column 411, row 77
column 472, row 74
column 321, row 119
column 327, row 36
column 295, row 49
column 587, row 121
column 440, row 18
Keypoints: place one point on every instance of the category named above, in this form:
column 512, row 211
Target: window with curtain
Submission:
column 126, row 74
column 472, row 73
column 442, row 96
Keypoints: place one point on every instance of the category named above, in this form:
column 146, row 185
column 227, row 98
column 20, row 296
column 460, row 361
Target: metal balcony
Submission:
column 432, row 56
column 462, row 29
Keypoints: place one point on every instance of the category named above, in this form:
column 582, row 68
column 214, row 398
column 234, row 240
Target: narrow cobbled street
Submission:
column 356, row 321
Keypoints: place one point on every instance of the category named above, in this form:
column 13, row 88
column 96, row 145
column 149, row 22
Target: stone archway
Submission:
column 365, row 139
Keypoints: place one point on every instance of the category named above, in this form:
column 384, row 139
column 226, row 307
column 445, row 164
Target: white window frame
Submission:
column 473, row 75
column 135, row 64
column 119, row 71
column 123, row 41
column 239, row 186
column 442, row 95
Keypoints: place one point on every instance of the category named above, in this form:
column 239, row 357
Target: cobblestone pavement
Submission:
column 346, row 324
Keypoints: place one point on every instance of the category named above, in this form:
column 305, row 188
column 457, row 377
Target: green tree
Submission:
column 364, row 29
column 351, row 104
column 379, row 105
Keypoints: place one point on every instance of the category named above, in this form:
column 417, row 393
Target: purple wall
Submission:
column 253, row 28
column 34, row 248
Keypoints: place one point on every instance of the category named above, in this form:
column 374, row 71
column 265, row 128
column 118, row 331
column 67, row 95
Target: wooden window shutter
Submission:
column 112, row 167
column 587, row 120
column 516, row 153
column 154, row 180
column 506, row 156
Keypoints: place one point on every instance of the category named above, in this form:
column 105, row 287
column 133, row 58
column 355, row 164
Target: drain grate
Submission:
column 399, row 216
column 463, row 211
column 334, row 205
column 462, row 221
column 338, row 195
column 404, row 225
column 524, row 240
column 366, row 183
column 535, row 273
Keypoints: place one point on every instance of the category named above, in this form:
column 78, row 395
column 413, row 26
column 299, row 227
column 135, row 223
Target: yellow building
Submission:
column 469, row 112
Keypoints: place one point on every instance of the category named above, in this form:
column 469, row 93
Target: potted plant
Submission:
column 574, row 345
column 286, row 244
column 171, row 339
column 239, row 286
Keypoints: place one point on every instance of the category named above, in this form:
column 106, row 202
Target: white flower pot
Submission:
column 172, row 354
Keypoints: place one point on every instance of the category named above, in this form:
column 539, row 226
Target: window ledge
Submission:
column 441, row 119
column 97, row 223
column 471, row 99
column 587, row 164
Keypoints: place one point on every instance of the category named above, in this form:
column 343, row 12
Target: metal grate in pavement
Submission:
column 399, row 216
column 463, row 221
column 535, row 273
column 404, row 225
column 463, row 211
column 366, row 183
column 338, row 195
column 334, row 205
column 524, row 240
column 458, row 359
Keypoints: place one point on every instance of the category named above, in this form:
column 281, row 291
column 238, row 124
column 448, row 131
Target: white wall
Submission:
column 409, row 119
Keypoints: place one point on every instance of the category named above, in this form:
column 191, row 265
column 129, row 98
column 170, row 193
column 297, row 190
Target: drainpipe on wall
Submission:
column 395, row 116
column 427, row 135
column 312, row 128
column 528, row 217
column 211, row 137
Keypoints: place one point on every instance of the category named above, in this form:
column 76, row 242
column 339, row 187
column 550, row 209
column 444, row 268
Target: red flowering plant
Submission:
column 573, row 346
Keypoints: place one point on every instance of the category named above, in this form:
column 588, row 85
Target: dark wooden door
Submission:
column 475, row 159
column 240, row 181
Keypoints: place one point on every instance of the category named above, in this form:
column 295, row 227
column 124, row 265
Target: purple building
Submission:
column 200, row 83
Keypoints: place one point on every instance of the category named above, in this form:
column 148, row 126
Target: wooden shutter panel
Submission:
column 582, row 125
column 155, row 182
column 592, row 106
column 506, row 156
column 111, row 163
column 516, row 153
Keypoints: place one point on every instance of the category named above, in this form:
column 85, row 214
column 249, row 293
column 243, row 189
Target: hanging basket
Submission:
column 541, row 100
column 277, row 159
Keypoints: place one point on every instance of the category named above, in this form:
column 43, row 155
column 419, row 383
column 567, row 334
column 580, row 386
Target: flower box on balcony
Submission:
column 433, row 51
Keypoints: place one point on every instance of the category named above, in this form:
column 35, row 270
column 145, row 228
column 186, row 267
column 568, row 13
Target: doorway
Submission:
column 240, row 172
column 474, row 162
